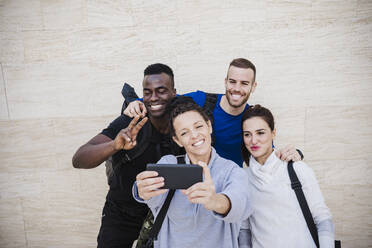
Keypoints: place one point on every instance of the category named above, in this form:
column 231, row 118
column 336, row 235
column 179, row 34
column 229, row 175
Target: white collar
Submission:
column 268, row 165
column 264, row 173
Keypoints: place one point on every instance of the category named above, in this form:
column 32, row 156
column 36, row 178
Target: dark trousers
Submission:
column 118, row 228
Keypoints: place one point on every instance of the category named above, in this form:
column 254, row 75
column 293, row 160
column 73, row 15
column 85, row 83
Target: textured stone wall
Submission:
column 63, row 63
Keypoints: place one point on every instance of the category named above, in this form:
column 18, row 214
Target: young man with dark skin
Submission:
column 122, row 216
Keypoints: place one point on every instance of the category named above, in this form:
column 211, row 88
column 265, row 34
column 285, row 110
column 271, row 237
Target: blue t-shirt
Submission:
column 226, row 129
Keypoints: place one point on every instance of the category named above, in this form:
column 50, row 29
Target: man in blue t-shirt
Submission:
column 240, row 82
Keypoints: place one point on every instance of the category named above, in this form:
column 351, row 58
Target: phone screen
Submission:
column 178, row 176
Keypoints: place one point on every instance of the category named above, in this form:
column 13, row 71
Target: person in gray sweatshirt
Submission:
column 209, row 213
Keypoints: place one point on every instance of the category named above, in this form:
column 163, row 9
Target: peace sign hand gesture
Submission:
column 126, row 138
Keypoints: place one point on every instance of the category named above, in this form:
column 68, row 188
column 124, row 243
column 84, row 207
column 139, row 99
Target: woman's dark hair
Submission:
column 255, row 111
column 180, row 105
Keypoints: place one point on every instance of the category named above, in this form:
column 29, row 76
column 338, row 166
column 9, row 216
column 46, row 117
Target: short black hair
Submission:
column 159, row 68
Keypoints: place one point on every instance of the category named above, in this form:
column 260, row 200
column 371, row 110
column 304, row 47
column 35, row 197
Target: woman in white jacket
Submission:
column 277, row 219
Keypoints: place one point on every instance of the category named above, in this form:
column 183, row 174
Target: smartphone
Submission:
column 178, row 176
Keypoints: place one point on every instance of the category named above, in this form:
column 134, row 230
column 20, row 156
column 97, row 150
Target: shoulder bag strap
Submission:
column 210, row 104
column 163, row 211
column 297, row 187
column 181, row 159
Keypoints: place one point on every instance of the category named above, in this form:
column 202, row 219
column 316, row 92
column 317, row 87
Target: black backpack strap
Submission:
column 129, row 95
column 337, row 243
column 160, row 218
column 143, row 141
column 210, row 104
column 181, row 159
column 297, row 187
column 163, row 211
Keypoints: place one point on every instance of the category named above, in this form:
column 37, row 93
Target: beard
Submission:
column 237, row 104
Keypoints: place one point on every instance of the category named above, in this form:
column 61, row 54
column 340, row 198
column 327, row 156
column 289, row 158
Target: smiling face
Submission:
column 258, row 138
column 239, row 84
column 158, row 90
column 194, row 134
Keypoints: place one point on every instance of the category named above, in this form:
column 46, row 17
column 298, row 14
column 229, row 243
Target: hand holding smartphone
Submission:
column 178, row 176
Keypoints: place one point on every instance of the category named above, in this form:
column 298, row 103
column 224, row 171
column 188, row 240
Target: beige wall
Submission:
column 63, row 64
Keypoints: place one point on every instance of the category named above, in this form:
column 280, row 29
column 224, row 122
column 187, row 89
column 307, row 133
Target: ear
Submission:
column 273, row 133
column 177, row 141
column 225, row 82
column 254, row 86
column 210, row 126
column 174, row 92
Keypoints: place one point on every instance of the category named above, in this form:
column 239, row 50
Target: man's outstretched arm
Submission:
column 101, row 147
column 94, row 152
column 289, row 153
